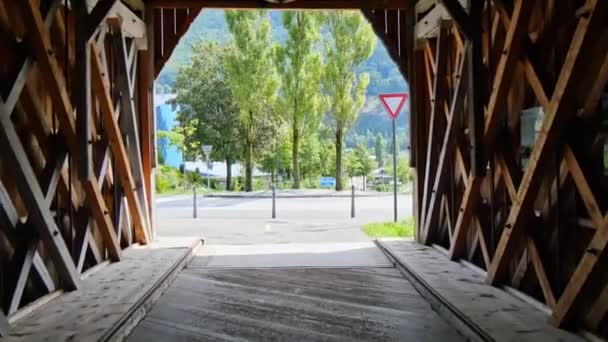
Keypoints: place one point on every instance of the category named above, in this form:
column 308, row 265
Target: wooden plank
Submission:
column 483, row 243
column 505, row 71
column 82, row 92
column 129, row 125
column 5, row 328
column 52, row 75
column 118, row 148
column 560, row 109
column 438, row 97
column 476, row 94
column 146, row 115
column 441, row 175
column 541, row 274
column 598, row 311
column 469, row 202
column 502, row 81
column 98, row 15
column 295, row 5
column 29, row 189
column 583, row 187
column 24, row 258
column 461, row 17
column 28, row 62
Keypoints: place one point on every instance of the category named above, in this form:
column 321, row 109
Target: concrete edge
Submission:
column 121, row 330
column 439, row 304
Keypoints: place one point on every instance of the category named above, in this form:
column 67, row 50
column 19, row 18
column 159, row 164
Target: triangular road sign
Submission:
column 393, row 103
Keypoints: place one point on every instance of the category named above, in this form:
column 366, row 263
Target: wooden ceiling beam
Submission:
column 296, row 4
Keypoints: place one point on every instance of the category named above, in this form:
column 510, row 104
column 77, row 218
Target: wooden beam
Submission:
column 301, row 4
column 560, row 109
column 118, row 148
column 541, row 274
column 24, row 258
column 441, row 176
column 129, row 126
column 28, row 62
column 461, row 17
column 97, row 15
column 29, row 189
column 82, row 91
column 475, row 94
column 502, row 81
column 52, row 76
column 583, row 187
column 438, row 98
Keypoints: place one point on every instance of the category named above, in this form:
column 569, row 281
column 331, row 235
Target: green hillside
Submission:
column 385, row 77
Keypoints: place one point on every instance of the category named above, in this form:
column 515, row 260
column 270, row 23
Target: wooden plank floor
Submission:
column 292, row 304
column 501, row 316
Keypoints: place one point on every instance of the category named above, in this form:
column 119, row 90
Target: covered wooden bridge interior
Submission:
column 508, row 137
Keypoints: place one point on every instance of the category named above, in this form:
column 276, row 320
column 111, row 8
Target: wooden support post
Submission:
column 82, row 93
column 441, row 176
column 118, row 148
column 438, row 99
column 129, row 124
column 475, row 94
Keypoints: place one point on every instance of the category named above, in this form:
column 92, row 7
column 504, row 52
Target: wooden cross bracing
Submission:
column 49, row 240
column 512, row 221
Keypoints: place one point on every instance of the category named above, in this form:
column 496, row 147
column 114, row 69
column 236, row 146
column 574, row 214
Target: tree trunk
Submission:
column 295, row 153
column 339, row 138
column 248, row 166
column 228, row 175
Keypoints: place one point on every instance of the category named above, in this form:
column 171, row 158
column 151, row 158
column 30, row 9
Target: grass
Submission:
column 390, row 229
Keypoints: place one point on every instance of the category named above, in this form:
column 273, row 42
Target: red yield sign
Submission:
column 393, row 103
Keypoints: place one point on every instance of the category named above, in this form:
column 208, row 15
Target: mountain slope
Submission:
column 385, row 77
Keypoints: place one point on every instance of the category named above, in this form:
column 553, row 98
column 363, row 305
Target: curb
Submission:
column 121, row 330
column 465, row 326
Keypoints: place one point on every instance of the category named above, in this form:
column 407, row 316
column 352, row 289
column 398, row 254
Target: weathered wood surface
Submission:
column 497, row 313
column 107, row 297
column 292, row 304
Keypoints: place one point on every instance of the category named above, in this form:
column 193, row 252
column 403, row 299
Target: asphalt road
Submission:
column 239, row 232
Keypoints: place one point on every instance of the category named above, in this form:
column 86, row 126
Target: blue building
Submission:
column 165, row 121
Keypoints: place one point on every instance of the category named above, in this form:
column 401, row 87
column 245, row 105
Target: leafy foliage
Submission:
column 300, row 104
column 353, row 41
column 207, row 114
column 252, row 76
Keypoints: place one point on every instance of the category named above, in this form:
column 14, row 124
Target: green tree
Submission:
column 379, row 149
column 359, row 163
column 205, row 100
column 251, row 74
column 300, row 68
column 352, row 42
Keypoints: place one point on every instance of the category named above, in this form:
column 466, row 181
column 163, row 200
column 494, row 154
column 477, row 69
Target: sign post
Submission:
column 207, row 151
column 393, row 103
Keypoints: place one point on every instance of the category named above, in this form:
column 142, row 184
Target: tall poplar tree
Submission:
column 352, row 42
column 251, row 74
column 299, row 63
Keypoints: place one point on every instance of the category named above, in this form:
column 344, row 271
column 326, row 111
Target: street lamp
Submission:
column 207, row 151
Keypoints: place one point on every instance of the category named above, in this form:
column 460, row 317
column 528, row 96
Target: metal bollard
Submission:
column 274, row 201
column 352, row 201
column 194, row 206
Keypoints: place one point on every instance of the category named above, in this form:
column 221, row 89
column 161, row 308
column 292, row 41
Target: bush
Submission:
column 260, row 184
column 311, row 183
column 168, row 179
